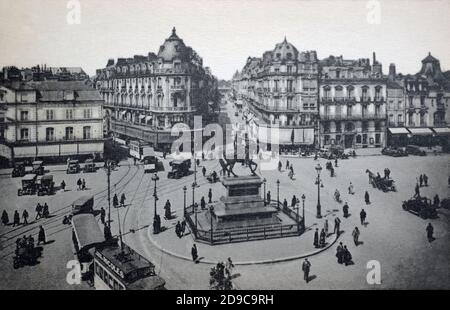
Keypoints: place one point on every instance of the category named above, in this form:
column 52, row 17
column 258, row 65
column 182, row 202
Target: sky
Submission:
column 223, row 32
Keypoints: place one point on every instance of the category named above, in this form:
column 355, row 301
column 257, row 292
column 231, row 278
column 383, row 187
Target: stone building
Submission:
column 146, row 95
column 352, row 103
column 280, row 88
column 51, row 119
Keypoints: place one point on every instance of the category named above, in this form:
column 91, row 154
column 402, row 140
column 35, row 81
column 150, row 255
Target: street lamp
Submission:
column 156, row 222
column 184, row 204
column 264, row 183
column 108, row 174
column 318, row 169
column 303, row 212
column 278, row 192
column 193, row 194
column 211, row 209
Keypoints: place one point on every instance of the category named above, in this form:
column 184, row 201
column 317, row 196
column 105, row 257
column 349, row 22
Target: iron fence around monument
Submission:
column 248, row 232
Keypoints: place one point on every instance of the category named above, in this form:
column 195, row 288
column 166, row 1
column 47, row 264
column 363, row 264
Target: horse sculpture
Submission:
column 227, row 164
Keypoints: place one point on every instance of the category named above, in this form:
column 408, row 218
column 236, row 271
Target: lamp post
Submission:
column 108, row 174
column 264, row 183
column 318, row 169
column 303, row 212
column 184, row 201
column 211, row 209
column 278, row 192
column 193, row 194
column 156, row 222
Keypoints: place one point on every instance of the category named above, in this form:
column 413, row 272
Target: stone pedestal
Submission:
column 243, row 205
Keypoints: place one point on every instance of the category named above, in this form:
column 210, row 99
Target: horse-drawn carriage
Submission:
column 381, row 183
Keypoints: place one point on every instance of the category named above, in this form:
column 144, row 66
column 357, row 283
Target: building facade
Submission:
column 280, row 88
column 51, row 119
column 146, row 95
column 352, row 103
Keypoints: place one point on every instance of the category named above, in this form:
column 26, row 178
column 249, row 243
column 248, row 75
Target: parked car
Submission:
column 420, row 206
column 28, row 185
column 393, row 151
column 73, row 166
column 18, row 170
column 89, row 166
column 415, row 150
column 45, row 185
column 180, row 168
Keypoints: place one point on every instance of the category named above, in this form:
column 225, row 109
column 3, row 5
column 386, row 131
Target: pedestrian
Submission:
column 38, row 211
column 325, row 227
column 16, row 218
column 210, row 195
column 293, row 201
column 367, row 198
column 421, row 180
column 306, row 267
column 134, row 161
column 5, row 218
column 102, row 215
column 340, row 253
column 25, row 217
column 337, row 226
column 332, row 172
column 183, row 227
column 322, row 238
column 279, row 166
column 287, row 164
column 198, row 162
column 351, row 189
column 203, row 156
column 107, row 233
column 316, row 238
column 362, row 216
column 388, row 173
column 79, row 184
column 347, row 256
column 168, row 211
column 425, row 179
column 203, row 203
column 336, row 162
column 122, row 200
column 436, row 201
column 268, row 197
column 417, row 190
column 41, row 235
column 204, row 171
column 194, row 253
column 63, row 185
column 83, row 185
column 285, row 204
column 355, row 235
column 430, row 231
column 178, row 229
column 229, row 266
column 45, row 211
column 345, row 209
column 115, row 201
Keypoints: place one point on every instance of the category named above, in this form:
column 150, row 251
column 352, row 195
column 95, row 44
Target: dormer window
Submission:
column 289, row 56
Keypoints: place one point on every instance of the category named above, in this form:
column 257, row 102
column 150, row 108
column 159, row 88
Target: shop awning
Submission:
column 442, row 130
column 147, row 118
column 122, row 113
column 285, row 136
column 141, row 117
column 398, row 131
column 420, row 131
column 304, row 136
column 263, row 134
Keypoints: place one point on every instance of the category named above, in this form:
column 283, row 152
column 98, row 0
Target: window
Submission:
column 69, row 114
column 2, row 96
column 50, row 115
column 69, row 133
column 23, row 98
column 86, row 132
column 24, row 134
column 87, row 113
column 50, row 134
column 23, row 115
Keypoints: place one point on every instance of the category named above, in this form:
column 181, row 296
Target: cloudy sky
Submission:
column 224, row 32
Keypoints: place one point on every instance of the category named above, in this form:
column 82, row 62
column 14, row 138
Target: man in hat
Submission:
column 306, row 267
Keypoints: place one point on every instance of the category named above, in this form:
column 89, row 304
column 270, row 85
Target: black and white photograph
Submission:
column 224, row 145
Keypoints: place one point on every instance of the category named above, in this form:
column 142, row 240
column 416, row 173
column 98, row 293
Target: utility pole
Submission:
column 108, row 173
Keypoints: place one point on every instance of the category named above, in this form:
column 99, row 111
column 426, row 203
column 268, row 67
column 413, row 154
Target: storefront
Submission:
column 397, row 136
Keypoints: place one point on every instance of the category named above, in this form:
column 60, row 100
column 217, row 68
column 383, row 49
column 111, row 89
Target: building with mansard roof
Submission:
column 146, row 95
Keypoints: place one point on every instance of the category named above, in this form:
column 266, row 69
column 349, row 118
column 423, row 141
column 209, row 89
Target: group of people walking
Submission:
column 81, row 183
column 41, row 212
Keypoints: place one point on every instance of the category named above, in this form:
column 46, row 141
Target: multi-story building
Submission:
column 51, row 119
column 146, row 95
column 280, row 88
column 352, row 103
column 43, row 73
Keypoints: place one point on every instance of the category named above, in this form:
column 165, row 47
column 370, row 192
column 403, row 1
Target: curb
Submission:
column 260, row 262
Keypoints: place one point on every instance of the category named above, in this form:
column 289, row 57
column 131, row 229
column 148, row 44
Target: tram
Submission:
column 121, row 268
column 139, row 150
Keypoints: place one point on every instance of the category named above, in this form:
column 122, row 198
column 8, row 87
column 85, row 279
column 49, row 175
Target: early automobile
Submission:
column 420, row 206
column 394, row 152
column 212, row 177
column 26, row 255
column 38, row 167
column 45, row 185
column 28, row 185
column 73, row 166
column 89, row 166
column 445, row 203
column 18, row 170
column 150, row 161
column 83, row 204
column 180, row 168
column 415, row 150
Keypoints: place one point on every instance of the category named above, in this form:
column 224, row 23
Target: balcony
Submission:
column 378, row 99
column 364, row 99
column 354, row 117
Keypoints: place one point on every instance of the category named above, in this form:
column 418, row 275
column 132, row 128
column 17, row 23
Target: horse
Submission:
column 228, row 164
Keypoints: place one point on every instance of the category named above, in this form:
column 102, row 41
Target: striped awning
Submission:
column 398, row 131
column 420, row 131
column 442, row 130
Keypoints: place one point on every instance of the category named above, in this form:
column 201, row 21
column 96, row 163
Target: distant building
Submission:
column 146, row 95
column 280, row 88
column 43, row 73
column 51, row 119
column 352, row 103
